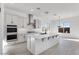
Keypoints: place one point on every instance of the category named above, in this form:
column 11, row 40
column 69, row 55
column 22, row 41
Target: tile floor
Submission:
column 65, row 47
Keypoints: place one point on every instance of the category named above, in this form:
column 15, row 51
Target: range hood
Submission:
column 30, row 17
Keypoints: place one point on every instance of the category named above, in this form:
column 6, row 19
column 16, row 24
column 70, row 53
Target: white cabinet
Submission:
column 21, row 26
column 21, row 37
column 39, row 45
column 11, row 19
column 14, row 20
column 25, row 22
column 21, row 22
column 31, row 44
column 8, row 19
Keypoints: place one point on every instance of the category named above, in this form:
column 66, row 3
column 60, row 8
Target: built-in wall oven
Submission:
column 11, row 32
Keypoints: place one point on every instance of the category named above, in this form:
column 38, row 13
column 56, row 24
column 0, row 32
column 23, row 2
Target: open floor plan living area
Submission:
column 39, row 28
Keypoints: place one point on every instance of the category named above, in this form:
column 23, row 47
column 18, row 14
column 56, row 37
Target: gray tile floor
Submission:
column 65, row 47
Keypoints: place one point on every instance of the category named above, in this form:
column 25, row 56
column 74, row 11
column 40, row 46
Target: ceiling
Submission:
column 64, row 10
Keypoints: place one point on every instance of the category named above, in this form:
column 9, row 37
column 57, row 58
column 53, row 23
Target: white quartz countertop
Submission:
column 38, row 35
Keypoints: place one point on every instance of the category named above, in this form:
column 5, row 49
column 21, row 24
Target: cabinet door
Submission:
column 8, row 19
column 14, row 19
column 25, row 22
column 20, row 22
column 11, row 19
column 32, row 44
column 29, row 43
column 21, row 38
column 49, row 42
column 44, row 43
column 40, row 45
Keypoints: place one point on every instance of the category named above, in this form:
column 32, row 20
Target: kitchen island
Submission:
column 38, row 43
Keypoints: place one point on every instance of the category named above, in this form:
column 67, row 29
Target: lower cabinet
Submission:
column 31, row 44
column 28, row 43
column 39, row 45
column 21, row 37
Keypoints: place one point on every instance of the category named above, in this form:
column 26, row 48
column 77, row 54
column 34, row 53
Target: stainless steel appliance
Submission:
column 11, row 32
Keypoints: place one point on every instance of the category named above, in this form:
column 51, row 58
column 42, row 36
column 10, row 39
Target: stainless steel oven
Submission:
column 11, row 28
column 11, row 32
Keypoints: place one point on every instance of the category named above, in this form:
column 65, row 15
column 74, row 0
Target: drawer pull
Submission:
column 42, row 39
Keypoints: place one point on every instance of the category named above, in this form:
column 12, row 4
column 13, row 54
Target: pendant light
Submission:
column 59, row 22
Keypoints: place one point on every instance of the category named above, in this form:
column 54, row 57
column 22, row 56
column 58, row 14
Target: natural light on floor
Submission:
column 76, row 40
column 4, row 43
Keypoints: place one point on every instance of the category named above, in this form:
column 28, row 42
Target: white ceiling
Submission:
column 64, row 10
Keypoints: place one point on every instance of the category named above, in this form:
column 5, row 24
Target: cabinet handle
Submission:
column 56, row 36
column 52, row 36
column 42, row 39
column 48, row 38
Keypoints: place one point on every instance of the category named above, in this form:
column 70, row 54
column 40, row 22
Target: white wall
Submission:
column 74, row 26
column 1, row 27
column 0, row 33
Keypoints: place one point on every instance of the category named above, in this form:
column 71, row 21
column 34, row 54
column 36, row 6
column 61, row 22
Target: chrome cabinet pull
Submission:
column 42, row 39
column 52, row 36
column 49, row 38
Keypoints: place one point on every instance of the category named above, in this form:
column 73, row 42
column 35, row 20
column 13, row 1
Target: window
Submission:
column 64, row 27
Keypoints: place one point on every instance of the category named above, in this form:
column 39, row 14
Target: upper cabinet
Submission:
column 21, row 22
column 14, row 20
column 11, row 19
column 8, row 19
